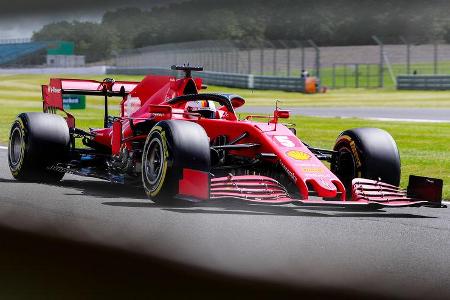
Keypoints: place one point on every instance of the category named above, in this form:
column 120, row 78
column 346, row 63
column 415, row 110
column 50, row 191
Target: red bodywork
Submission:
column 149, row 98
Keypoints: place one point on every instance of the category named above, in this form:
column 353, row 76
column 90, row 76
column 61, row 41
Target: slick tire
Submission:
column 171, row 146
column 37, row 141
column 366, row 153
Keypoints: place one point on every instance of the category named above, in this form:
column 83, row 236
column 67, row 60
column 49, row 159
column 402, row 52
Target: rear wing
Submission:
column 52, row 93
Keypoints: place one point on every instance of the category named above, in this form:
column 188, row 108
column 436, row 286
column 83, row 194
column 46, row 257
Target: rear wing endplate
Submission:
column 52, row 93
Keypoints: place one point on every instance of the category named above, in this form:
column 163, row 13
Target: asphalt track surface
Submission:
column 402, row 252
column 376, row 113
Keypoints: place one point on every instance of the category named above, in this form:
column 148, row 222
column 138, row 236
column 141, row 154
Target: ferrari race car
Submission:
column 179, row 143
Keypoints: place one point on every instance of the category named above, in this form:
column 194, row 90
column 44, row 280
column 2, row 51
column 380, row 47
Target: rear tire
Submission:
column 366, row 153
column 37, row 141
column 170, row 147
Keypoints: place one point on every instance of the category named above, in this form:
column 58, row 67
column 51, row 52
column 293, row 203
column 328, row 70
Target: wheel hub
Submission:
column 15, row 146
column 154, row 162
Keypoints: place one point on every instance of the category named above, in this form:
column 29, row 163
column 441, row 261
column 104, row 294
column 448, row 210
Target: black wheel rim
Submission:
column 154, row 161
column 15, row 147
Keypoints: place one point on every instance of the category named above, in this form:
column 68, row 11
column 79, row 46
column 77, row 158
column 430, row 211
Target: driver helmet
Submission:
column 203, row 107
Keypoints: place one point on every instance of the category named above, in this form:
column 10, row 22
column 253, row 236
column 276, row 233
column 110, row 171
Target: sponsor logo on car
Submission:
column 290, row 174
column 355, row 154
column 312, row 169
column 298, row 155
column 55, row 90
column 286, row 141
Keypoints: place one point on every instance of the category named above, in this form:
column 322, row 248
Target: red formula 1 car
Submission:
column 180, row 143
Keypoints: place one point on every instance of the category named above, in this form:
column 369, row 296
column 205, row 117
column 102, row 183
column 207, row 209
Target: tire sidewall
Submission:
column 16, row 168
column 159, row 133
column 374, row 152
column 45, row 141
column 348, row 144
column 185, row 145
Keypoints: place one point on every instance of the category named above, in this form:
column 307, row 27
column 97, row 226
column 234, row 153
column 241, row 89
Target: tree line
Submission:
column 337, row 22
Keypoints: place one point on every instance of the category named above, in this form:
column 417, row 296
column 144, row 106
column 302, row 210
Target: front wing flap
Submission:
column 365, row 192
column 250, row 188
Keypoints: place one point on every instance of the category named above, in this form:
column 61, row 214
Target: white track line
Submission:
column 408, row 120
column 382, row 119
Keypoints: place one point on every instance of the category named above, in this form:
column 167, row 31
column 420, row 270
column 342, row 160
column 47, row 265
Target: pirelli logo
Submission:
column 355, row 154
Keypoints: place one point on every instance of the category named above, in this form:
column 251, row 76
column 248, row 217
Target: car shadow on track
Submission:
column 105, row 189
column 235, row 207
column 93, row 188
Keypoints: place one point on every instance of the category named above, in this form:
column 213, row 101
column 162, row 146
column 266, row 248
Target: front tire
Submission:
column 36, row 141
column 366, row 153
column 170, row 147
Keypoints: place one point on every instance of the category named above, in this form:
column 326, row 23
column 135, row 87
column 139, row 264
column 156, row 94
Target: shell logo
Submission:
column 298, row 155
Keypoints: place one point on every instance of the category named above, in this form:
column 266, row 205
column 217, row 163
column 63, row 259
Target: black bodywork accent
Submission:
column 187, row 69
column 224, row 99
column 426, row 188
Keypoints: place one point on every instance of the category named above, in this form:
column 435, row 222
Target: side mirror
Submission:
column 237, row 102
column 159, row 109
column 281, row 114
column 162, row 112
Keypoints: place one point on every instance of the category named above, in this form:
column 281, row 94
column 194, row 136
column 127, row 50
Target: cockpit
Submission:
column 210, row 106
column 206, row 108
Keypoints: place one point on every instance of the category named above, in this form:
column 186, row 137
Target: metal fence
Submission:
column 15, row 41
column 423, row 82
column 355, row 75
column 276, row 58
column 369, row 66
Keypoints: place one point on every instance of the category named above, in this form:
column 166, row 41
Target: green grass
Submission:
column 26, row 88
column 424, row 147
column 21, row 93
column 368, row 74
column 345, row 98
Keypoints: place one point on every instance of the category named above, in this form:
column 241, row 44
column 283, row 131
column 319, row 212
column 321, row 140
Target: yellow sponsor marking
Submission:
column 355, row 154
column 298, row 155
column 353, row 149
column 312, row 170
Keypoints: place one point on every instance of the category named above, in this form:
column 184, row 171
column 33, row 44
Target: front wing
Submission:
column 365, row 192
